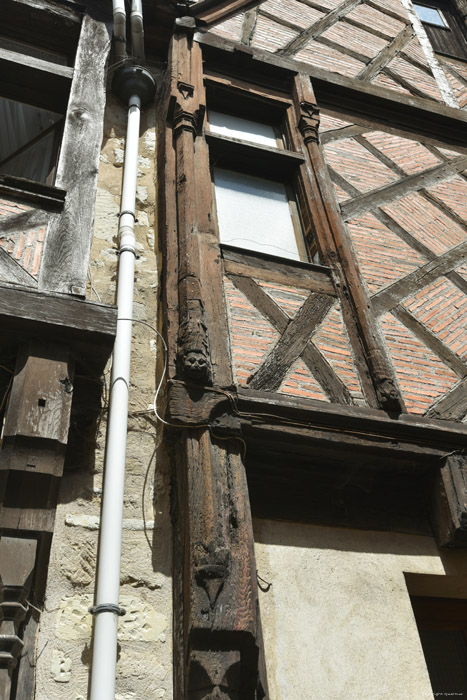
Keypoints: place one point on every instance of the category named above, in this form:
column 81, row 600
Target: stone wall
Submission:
column 144, row 668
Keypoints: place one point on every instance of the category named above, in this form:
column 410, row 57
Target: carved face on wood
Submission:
column 195, row 365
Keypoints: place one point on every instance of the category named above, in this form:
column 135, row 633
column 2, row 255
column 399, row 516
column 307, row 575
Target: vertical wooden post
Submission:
column 449, row 503
column 220, row 628
column 202, row 334
column 17, row 560
column 336, row 251
column 31, row 463
column 215, row 591
column 64, row 266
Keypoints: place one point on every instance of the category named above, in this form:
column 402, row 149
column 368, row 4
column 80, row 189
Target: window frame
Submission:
column 284, row 163
column 449, row 40
column 31, row 75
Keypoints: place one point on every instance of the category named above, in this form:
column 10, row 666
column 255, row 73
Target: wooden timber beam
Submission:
column 209, row 12
column 344, row 466
column 35, row 435
column 218, row 636
column 219, row 597
column 89, row 327
column 230, row 412
column 65, row 258
column 419, row 118
column 449, row 498
column 364, row 332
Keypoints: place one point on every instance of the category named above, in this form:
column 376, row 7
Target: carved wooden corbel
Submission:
column 449, row 502
column 308, row 122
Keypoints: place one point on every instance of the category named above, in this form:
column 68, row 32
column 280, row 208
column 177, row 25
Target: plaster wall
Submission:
column 337, row 619
column 144, row 668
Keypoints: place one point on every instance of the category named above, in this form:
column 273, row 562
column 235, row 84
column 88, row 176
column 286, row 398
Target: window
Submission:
column 258, row 214
column 442, row 626
column 35, row 78
column 256, row 179
column 29, row 141
column 443, row 27
column 430, row 15
column 246, row 129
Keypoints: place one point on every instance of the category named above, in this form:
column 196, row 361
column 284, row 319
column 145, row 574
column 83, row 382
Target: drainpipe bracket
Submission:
column 132, row 80
column 107, row 607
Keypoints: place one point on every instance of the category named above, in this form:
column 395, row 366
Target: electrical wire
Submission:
column 253, row 415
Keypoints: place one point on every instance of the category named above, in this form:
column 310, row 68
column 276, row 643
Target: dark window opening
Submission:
column 35, row 79
column 442, row 626
column 29, row 141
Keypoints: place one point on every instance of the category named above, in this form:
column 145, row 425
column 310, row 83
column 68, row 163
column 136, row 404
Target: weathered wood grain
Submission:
column 249, row 25
column 389, row 297
column 10, row 271
column 384, row 57
column 66, row 252
column 268, row 268
column 47, row 197
column 318, row 27
column 451, row 406
column 383, row 195
column 449, row 503
column 209, row 12
column 189, row 406
column 220, row 596
column 364, row 333
column 344, row 132
column 58, row 314
column 291, row 344
column 41, row 394
column 27, row 519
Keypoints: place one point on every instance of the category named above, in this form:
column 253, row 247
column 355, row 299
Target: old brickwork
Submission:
column 23, row 229
column 374, row 43
column 404, row 211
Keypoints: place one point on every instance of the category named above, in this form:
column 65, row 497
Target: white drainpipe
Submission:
column 137, row 30
column 136, row 86
column 119, row 14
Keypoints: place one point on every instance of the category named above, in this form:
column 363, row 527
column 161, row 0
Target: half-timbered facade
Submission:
column 307, row 275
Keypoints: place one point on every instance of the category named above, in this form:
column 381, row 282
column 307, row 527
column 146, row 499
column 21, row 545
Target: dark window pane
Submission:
column 27, row 140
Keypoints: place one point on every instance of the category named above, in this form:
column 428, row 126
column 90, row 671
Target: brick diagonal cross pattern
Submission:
column 408, row 224
column 295, row 341
column 372, row 42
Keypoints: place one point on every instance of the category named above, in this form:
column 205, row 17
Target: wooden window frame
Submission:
column 284, row 163
column 449, row 40
column 41, row 82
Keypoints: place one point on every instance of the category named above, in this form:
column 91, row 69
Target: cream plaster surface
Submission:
column 144, row 668
column 337, row 619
